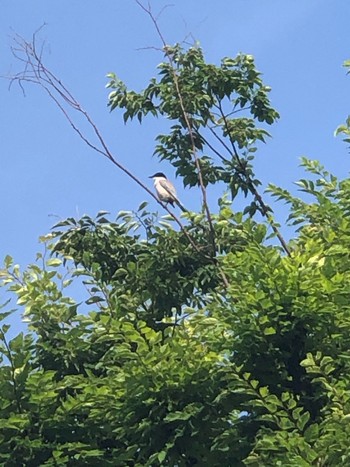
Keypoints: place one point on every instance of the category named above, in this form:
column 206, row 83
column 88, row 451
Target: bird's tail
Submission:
column 175, row 199
column 181, row 206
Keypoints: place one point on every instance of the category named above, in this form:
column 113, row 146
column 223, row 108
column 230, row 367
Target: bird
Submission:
column 165, row 189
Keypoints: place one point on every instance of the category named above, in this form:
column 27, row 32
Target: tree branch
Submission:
column 36, row 72
column 154, row 20
column 265, row 209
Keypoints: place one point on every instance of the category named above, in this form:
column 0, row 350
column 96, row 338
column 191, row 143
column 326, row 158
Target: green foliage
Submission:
column 178, row 354
column 204, row 101
column 162, row 271
column 255, row 375
column 344, row 129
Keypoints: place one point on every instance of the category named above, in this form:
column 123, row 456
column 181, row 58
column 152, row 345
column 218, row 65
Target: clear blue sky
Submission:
column 47, row 171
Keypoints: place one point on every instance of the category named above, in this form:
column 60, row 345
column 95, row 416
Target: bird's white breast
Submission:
column 164, row 189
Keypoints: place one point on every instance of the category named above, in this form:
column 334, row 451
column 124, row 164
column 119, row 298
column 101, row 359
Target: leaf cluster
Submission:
column 254, row 375
column 160, row 362
column 209, row 105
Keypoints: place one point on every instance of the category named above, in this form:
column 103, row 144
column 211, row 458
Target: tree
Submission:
column 205, row 340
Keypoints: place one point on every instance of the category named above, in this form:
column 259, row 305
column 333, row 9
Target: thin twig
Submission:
column 215, row 151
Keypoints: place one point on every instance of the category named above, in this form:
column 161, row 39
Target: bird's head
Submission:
column 158, row 175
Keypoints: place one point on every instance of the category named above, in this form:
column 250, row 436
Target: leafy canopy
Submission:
column 163, row 362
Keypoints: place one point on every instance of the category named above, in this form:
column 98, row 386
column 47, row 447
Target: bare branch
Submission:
column 162, row 10
column 35, row 72
column 215, row 151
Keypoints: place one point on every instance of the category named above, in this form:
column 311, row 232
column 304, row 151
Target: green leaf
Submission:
column 142, row 206
column 302, row 421
column 263, row 392
column 175, row 416
column 269, row 331
column 53, row 262
column 312, row 433
column 8, row 261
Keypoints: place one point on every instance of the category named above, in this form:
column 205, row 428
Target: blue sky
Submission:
column 47, row 171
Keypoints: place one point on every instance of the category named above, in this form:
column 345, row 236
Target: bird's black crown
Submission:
column 158, row 174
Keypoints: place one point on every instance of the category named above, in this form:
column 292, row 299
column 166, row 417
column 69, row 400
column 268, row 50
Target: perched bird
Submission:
column 165, row 189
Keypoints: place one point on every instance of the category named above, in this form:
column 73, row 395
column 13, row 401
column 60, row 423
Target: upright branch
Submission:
column 264, row 208
column 195, row 93
column 186, row 117
column 36, row 72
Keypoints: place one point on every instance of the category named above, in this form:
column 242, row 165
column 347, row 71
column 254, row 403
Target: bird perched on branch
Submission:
column 166, row 191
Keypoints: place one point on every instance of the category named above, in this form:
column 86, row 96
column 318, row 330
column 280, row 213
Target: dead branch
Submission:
column 35, row 72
